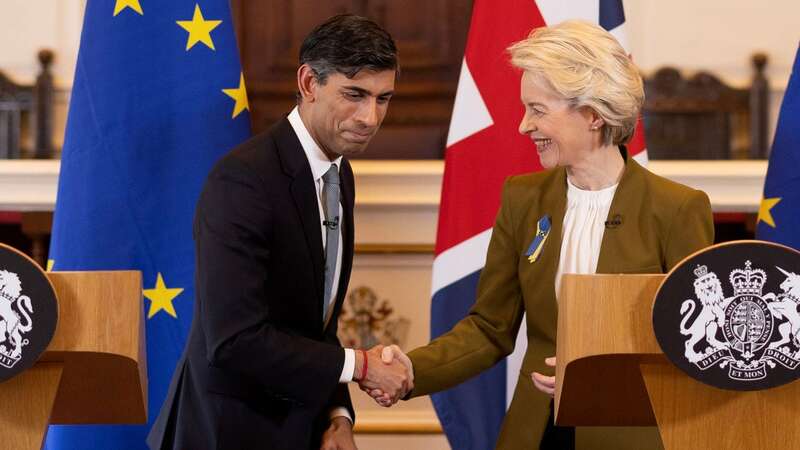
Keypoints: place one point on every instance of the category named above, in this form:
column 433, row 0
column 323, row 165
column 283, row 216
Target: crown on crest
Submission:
column 703, row 276
column 748, row 281
column 701, row 271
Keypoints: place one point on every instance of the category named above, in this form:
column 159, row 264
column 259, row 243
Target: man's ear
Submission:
column 306, row 83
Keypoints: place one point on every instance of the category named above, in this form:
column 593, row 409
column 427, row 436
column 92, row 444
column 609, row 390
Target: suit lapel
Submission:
column 556, row 200
column 552, row 202
column 628, row 190
column 295, row 164
column 555, row 203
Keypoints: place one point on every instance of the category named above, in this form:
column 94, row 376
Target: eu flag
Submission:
column 779, row 213
column 158, row 96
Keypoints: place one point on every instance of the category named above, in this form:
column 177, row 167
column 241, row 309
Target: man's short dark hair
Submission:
column 348, row 44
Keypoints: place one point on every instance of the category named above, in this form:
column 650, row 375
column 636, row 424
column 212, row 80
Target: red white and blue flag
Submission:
column 483, row 149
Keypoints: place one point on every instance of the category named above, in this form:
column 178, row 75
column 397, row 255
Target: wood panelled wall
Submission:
column 430, row 35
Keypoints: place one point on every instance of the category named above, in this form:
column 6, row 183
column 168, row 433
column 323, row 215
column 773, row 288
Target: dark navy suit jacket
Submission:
column 259, row 371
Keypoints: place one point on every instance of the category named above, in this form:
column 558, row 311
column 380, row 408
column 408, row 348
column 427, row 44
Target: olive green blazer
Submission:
column 662, row 222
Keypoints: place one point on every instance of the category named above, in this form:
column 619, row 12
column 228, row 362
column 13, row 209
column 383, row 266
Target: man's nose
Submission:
column 368, row 113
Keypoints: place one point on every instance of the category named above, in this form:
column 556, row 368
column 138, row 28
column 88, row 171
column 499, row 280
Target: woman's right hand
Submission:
column 544, row 383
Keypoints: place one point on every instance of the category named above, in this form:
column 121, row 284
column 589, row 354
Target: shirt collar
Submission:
column 316, row 158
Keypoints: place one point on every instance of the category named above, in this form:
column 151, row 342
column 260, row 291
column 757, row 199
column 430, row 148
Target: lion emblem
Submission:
column 711, row 318
column 15, row 311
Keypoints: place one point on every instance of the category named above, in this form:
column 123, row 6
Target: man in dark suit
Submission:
column 263, row 367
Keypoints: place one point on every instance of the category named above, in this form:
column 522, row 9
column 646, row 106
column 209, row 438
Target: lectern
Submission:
column 612, row 372
column 94, row 370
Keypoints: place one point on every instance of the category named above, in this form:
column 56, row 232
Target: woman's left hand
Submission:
column 544, row 383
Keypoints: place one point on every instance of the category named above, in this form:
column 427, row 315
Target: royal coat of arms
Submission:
column 739, row 328
column 15, row 319
column 28, row 312
column 746, row 321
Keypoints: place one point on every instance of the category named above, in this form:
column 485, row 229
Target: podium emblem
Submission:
column 28, row 312
column 15, row 319
column 742, row 333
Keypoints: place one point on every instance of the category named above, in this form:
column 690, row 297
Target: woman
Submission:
column 582, row 97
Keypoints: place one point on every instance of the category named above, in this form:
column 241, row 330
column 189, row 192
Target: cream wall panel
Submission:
column 718, row 36
column 715, row 35
column 403, row 283
column 27, row 26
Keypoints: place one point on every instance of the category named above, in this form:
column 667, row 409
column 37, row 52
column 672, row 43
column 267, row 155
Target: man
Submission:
column 263, row 367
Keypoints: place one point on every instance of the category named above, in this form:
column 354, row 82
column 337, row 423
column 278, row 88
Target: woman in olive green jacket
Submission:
column 582, row 97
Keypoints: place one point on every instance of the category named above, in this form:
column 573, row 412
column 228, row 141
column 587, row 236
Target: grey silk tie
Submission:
column 330, row 205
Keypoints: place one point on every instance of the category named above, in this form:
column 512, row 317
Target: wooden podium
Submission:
column 93, row 372
column 612, row 372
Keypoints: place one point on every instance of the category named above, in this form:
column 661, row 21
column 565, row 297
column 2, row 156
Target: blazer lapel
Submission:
column 304, row 195
column 553, row 202
column 628, row 190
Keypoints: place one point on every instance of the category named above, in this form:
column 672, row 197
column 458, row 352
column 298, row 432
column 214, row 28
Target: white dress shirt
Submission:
column 582, row 234
column 319, row 165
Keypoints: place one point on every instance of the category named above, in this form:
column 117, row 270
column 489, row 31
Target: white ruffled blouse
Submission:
column 582, row 233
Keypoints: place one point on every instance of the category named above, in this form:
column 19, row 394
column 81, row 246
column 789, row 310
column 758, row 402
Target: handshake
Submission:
column 386, row 374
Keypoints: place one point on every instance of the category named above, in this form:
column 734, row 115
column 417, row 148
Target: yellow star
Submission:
column 50, row 264
column 240, row 95
column 161, row 298
column 199, row 29
column 764, row 214
column 132, row 4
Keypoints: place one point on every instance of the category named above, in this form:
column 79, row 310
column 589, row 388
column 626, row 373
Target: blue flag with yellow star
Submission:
column 158, row 97
column 779, row 213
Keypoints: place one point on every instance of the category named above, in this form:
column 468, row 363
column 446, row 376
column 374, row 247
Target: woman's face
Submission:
column 563, row 135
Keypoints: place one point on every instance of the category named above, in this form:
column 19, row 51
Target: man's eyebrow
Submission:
column 363, row 91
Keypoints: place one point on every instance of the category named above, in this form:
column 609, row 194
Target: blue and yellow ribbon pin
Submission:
column 542, row 231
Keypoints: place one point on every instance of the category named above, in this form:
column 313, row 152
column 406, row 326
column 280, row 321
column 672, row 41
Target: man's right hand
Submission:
column 393, row 379
column 391, row 355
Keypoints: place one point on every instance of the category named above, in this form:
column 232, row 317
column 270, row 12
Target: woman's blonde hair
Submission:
column 584, row 64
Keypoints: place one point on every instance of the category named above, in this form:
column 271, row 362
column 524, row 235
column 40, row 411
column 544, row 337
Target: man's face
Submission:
column 344, row 114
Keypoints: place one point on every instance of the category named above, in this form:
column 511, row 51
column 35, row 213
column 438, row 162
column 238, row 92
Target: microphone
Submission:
column 614, row 222
column 332, row 224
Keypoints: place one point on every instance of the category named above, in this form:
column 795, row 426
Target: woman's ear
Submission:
column 595, row 121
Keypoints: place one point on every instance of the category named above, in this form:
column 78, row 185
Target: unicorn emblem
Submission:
column 785, row 305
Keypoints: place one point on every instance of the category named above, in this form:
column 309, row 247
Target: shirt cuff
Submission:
column 341, row 412
column 349, row 368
